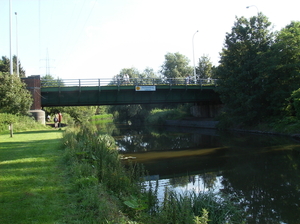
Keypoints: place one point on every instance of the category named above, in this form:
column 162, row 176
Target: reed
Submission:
column 203, row 207
column 96, row 173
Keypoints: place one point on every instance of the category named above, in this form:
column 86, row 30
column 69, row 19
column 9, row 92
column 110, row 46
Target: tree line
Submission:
column 14, row 97
column 258, row 72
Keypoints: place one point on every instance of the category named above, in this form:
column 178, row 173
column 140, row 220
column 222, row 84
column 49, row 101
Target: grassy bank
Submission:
column 32, row 188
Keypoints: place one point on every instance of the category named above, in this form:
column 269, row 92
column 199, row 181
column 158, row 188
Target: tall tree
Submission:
column 50, row 81
column 149, row 76
column 124, row 75
column 21, row 70
column 204, row 68
column 284, row 69
column 176, row 66
column 5, row 66
column 132, row 72
column 14, row 97
column 242, row 70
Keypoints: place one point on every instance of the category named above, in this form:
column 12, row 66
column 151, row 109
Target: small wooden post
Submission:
column 11, row 129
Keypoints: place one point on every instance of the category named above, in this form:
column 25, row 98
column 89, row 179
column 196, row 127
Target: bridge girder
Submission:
column 120, row 95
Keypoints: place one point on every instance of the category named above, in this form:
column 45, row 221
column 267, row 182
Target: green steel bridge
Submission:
column 88, row 92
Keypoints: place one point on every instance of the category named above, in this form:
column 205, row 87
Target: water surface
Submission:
column 262, row 170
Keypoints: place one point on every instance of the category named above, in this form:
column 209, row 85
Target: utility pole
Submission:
column 18, row 72
column 195, row 78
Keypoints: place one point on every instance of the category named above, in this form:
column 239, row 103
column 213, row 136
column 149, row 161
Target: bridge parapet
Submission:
column 122, row 82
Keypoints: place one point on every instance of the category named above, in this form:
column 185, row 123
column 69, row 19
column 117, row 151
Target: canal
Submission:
column 262, row 171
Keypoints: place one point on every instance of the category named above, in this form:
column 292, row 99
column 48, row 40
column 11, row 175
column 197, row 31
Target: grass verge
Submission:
column 31, row 183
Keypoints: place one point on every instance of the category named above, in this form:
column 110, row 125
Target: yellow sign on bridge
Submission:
column 145, row 88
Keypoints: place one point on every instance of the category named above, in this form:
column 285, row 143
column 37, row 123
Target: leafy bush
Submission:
column 294, row 104
column 20, row 123
column 14, row 97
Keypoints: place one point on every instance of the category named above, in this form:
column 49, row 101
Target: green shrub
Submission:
column 20, row 123
column 294, row 106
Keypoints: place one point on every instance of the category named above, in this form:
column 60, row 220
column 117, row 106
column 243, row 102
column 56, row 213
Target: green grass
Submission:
column 101, row 118
column 31, row 182
column 158, row 116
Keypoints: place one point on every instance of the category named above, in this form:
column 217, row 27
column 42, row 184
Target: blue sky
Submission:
column 98, row 38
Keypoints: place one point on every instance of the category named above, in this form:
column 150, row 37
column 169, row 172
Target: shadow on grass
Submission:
column 15, row 134
column 31, row 181
column 38, row 131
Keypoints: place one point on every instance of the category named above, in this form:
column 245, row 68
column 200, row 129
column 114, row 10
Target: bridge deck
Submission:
column 85, row 94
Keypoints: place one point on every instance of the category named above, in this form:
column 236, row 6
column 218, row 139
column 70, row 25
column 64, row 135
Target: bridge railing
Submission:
column 122, row 82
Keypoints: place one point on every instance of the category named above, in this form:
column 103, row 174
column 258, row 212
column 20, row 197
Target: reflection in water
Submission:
column 262, row 170
column 196, row 183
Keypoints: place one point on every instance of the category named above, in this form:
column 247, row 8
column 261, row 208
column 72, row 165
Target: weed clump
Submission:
column 99, row 180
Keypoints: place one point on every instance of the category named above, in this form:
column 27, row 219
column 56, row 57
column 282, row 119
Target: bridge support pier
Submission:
column 34, row 86
column 39, row 116
column 206, row 109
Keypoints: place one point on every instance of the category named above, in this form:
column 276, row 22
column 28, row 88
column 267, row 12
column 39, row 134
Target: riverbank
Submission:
column 212, row 124
column 196, row 123
column 32, row 186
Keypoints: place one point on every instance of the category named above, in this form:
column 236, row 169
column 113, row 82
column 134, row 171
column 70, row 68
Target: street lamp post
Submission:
column 17, row 44
column 10, row 36
column 195, row 78
column 253, row 6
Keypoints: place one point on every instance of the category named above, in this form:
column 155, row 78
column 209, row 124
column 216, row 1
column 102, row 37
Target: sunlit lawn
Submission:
column 31, row 181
